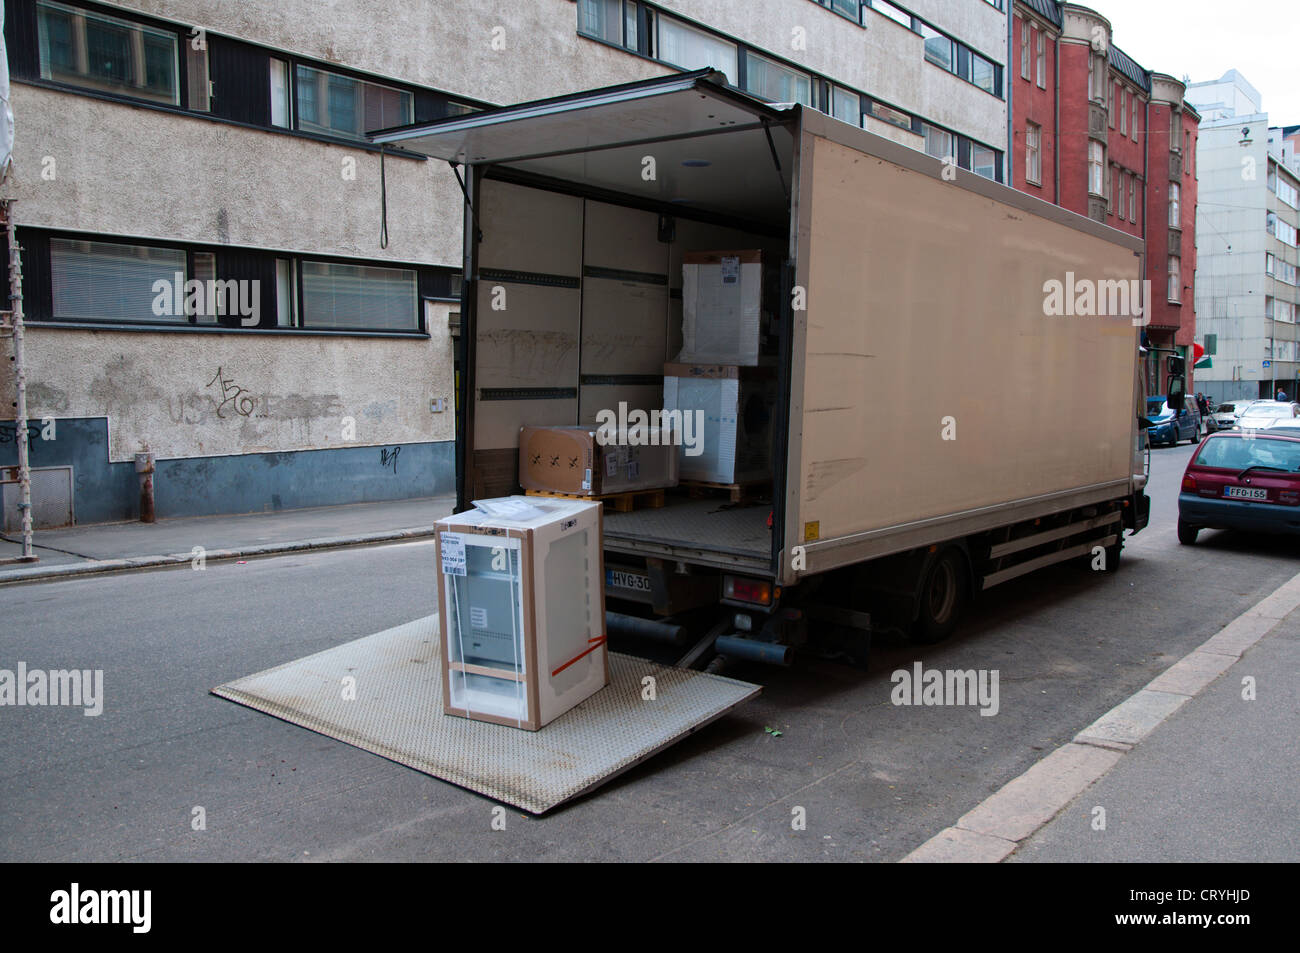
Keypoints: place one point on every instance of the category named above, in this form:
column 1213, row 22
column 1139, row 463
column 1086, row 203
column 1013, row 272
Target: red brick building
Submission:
column 1098, row 134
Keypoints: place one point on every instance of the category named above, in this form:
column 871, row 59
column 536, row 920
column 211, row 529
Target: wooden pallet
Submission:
column 619, row 502
column 736, row 492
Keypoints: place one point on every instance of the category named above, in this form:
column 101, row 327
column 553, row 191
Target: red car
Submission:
column 1241, row 480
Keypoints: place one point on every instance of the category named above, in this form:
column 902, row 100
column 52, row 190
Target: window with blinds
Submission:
column 690, row 48
column 771, row 80
column 358, row 297
column 102, row 281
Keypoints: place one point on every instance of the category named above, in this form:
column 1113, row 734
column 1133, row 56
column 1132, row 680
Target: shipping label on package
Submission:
column 730, row 269
column 453, row 554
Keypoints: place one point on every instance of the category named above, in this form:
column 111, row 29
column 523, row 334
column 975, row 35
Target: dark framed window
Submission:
column 939, row 48
column 849, row 9
column 893, row 116
column 120, row 54
column 117, row 283
column 352, row 297
column 93, row 50
column 104, row 280
column 329, row 103
column 685, row 46
column 777, row 82
column 846, row 105
column 603, row 20
column 901, row 17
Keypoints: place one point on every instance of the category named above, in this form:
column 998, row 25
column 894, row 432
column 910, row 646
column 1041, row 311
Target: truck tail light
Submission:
column 747, row 590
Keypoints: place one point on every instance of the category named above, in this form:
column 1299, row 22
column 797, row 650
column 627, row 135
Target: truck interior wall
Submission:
column 925, row 316
column 578, row 309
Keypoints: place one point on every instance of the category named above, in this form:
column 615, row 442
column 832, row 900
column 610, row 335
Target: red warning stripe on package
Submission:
column 597, row 643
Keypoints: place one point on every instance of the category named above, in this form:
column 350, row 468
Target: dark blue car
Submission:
column 1168, row 426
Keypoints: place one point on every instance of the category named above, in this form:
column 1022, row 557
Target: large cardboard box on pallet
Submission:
column 735, row 407
column 574, row 460
column 723, row 293
column 522, row 599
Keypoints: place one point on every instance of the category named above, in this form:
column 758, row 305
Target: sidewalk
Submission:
column 1189, row 769
column 1214, row 783
column 113, row 547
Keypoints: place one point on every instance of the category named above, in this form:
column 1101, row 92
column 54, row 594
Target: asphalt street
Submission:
column 875, row 779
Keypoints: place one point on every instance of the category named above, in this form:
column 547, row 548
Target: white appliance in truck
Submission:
column 736, row 406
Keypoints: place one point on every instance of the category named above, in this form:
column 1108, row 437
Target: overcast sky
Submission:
column 1204, row 39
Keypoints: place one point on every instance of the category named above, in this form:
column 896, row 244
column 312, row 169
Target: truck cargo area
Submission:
column 578, row 225
column 708, row 531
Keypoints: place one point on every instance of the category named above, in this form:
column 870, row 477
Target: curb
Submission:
column 995, row 828
column 126, row 564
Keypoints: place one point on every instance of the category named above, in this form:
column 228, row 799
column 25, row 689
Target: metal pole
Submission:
column 20, row 379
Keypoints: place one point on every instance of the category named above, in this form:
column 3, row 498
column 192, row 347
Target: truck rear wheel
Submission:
column 941, row 598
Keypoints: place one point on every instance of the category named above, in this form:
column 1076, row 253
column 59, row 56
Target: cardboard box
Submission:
column 732, row 435
column 722, row 307
column 574, row 460
column 522, row 609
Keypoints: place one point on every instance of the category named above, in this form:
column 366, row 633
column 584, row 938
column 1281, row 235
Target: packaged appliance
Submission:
column 723, row 297
column 728, row 436
column 522, row 621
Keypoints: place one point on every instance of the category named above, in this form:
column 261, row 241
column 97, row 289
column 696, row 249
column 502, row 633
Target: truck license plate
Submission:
column 623, row 579
column 1245, row 493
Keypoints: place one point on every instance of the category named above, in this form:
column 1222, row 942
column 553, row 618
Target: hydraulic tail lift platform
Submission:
column 397, row 713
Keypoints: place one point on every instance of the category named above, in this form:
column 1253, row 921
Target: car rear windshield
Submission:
column 1237, row 453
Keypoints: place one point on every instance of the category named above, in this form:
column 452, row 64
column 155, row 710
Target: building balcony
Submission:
column 1098, row 122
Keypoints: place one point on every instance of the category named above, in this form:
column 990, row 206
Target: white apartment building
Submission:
column 1248, row 218
column 181, row 141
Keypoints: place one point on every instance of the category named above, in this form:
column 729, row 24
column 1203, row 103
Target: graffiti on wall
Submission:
column 233, row 397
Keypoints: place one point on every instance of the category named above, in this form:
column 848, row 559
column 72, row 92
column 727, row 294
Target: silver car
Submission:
column 1225, row 415
column 1264, row 413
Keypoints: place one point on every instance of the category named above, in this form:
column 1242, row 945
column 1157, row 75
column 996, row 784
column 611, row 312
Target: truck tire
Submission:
column 1187, row 533
column 1113, row 552
column 940, row 598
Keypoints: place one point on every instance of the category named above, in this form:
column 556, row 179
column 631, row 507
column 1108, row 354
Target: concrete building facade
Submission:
column 1248, row 293
column 220, row 270
column 1099, row 134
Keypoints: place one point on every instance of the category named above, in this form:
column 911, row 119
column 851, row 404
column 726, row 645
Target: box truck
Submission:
column 956, row 363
